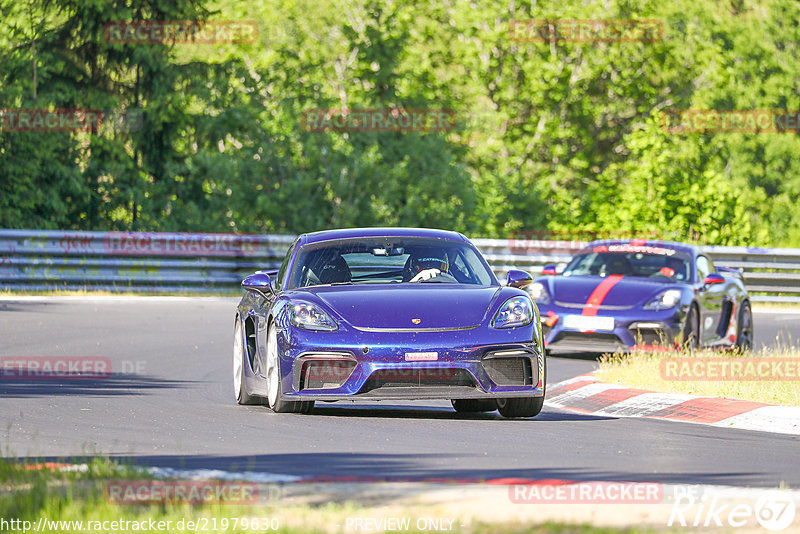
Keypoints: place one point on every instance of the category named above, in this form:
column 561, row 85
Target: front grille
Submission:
column 587, row 342
column 581, row 305
column 509, row 371
column 587, row 336
column 325, row 373
column 649, row 336
column 418, row 378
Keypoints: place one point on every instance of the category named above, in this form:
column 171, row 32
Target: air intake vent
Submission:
column 325, row 373
column 510, row 371
column 418, row 378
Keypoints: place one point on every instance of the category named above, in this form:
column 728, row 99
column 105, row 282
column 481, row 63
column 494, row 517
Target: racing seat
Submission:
column 335, row 271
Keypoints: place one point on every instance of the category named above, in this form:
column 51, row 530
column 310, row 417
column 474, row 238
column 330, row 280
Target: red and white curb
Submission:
column 588, row 394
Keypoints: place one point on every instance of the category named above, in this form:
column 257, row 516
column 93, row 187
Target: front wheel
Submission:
column 744, row 329
column 691, row 330
column 524, row 407
column 274, row 381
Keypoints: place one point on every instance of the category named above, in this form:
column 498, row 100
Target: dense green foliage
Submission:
column 557, row 136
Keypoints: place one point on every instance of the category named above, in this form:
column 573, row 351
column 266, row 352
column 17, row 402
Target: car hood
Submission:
column 399, row 306
column 622, row 292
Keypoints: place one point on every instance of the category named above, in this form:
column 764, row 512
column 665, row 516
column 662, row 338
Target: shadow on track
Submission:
column 115, row 384
column 412, row 467
column 443, row 413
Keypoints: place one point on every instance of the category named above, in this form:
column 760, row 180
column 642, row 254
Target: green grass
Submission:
column 642, row 370
column 30, row 494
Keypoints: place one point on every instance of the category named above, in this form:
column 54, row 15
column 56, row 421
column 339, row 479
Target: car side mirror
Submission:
column 258, row 283
column 714, row 278
column 549, row 269
column 518, row 279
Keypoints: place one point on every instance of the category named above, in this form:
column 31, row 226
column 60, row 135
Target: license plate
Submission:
column 422, row 356
column 589, row 322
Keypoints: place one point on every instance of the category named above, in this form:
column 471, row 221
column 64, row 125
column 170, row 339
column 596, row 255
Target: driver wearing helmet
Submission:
column 424, row 264
column 675, row 269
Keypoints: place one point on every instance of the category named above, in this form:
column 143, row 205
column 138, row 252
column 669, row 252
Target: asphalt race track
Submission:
column 169, row 402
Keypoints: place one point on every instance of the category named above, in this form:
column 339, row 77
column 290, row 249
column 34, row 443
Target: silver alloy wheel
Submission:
column 238, row 360
column 273, row 380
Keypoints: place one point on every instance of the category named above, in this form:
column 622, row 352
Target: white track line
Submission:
column 776, row 419
column 564, row 399
column 777, row 311
column 644, row 404
column 111, row 298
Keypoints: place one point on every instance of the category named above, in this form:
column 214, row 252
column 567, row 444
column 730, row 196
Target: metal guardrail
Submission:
column 149, row 262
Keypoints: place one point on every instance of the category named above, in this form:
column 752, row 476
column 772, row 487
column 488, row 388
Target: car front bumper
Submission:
column 616, row 331
column 352, row 364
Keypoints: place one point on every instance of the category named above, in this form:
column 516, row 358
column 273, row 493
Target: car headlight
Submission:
column 666, row 300
column 516, row 311
column 538, row 292
column 310, row 317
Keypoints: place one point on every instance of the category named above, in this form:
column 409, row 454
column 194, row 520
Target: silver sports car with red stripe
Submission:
column 617, row 295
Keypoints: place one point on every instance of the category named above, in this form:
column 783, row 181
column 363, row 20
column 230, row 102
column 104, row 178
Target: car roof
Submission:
column 350, row 233
column 674, row 245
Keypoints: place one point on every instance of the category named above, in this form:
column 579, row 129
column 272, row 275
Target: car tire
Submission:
column 473, row 405
column 274, row 382
column 239, row 388
column 691, row 330
column 526, row 406
column 744, row 328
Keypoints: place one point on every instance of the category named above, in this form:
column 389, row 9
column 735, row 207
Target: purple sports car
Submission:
column 620, row 294
column 388, row 313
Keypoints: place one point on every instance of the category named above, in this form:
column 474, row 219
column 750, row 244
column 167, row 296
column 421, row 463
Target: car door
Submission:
column 710, row 298
column 262, row 309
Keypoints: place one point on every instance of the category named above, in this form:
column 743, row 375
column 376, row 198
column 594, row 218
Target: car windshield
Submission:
column 665, row 264
column 390, row 260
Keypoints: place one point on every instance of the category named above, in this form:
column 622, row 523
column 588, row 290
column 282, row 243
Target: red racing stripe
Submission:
column 599, row 294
